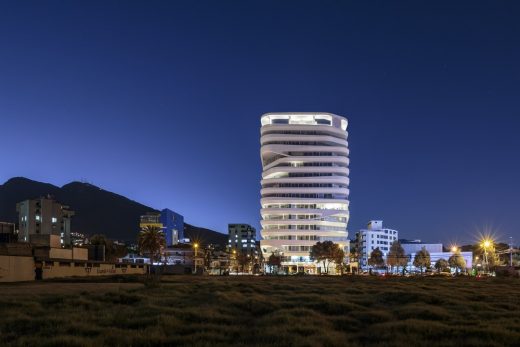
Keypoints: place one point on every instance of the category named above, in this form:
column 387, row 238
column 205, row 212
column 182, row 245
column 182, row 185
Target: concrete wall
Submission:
column 83, row 269
column 79, row 253
column 16, row 269
column 20, row 268
column 60, row 253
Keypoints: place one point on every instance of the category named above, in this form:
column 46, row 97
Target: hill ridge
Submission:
column 98, row 211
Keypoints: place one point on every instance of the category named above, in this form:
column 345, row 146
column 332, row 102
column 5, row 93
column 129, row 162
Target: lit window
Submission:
column 54, row 219
column 37, row 217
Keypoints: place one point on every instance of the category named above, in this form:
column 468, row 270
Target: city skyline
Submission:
column 163, row 104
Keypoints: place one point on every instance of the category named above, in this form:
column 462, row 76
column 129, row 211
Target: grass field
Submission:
column 275, row 311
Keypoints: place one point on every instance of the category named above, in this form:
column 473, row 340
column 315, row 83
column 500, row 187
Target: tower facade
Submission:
column 304, row 194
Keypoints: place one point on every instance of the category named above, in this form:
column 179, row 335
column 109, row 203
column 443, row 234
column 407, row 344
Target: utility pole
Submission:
column 511, row 251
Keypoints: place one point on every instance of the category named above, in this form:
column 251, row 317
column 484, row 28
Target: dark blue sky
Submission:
column 161, row 102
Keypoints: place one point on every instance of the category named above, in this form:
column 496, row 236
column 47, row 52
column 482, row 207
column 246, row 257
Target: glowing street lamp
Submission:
column 196, row 246
column 486, row 244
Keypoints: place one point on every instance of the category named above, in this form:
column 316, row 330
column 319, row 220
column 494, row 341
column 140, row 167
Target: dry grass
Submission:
column 277, row 311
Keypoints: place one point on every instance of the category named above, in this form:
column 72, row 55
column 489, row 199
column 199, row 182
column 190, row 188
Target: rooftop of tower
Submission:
column 304, row 118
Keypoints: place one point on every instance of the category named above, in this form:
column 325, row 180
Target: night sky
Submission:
column 161, row 102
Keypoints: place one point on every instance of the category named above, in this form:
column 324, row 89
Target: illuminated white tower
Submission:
column 304, row 196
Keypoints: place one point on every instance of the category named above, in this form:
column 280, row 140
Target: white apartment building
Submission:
column 374, row 236
column 304, row 195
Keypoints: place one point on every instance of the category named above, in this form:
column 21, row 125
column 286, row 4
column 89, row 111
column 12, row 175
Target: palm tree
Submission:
column 152, row 241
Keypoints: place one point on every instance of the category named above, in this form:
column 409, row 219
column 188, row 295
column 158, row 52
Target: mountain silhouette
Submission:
column 98, row 211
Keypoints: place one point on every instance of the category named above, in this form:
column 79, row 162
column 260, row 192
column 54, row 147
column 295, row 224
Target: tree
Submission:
column 396, row 256
column 243, row 260
column 326, row 252
column 274, row 261
column 151, row 240
column 112, row 250
column 422, row 259
column 339, row 260
column 457, row 261
column 441, row 265
column 376, row 258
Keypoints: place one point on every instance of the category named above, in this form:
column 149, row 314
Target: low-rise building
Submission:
column 414, row 246
column 23, row 261
column 217, row 262
column 7, row 232
column 411, row 247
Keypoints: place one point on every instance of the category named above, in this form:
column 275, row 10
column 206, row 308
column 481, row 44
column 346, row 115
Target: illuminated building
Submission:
column 171, row 223
column 304, row 195
column 374, row 236
column 242, row 239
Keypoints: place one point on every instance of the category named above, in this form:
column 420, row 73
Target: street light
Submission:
column 196, row 246
column 485, row 244
column 235, row 263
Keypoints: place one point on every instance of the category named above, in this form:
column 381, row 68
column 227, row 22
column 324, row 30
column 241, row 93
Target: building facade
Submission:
column 304, row 194
column 411, row 247
column 242, row 239
column 44, row 216
column 7, row 232
column 150, row 219
column 374, row 236
column 173, row 226
column 170, row 222
column 414, row 246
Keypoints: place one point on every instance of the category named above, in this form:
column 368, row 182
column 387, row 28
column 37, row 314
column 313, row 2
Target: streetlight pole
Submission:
column 486, row 244
column 511, row 251
column 454, row 250
column 196, row 246
column 235, row 263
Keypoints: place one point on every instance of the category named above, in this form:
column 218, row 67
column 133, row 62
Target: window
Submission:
column 37, row 217
column 323, row 121
column 54, row 219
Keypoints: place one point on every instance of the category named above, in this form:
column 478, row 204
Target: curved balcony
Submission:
column 286, row 170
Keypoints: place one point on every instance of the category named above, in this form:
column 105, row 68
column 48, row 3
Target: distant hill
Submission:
column 98, row 211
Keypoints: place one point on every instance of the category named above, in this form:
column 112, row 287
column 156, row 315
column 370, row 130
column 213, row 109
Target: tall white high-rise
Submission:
column 304, row 196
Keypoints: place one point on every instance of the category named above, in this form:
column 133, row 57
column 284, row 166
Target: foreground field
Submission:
column 279, row 311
